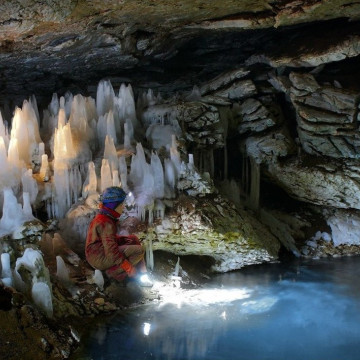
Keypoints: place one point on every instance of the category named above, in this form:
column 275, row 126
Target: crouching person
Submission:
column 119, row 256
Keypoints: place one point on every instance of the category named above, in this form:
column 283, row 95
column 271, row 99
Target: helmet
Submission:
column 113, row 194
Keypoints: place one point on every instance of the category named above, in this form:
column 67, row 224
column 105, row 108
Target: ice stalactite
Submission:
column 149, row 254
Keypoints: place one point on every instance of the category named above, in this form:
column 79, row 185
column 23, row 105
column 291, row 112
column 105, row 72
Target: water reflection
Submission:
column 299, row 311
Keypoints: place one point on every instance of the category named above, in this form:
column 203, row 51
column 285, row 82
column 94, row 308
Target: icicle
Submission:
column 149, row 255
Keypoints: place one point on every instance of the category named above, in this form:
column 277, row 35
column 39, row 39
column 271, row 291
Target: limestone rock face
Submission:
column 59, row 45
column 327, row 117
column 324, row 184
column 214, row 228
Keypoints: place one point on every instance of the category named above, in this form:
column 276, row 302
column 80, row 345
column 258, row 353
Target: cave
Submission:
column 233, row 125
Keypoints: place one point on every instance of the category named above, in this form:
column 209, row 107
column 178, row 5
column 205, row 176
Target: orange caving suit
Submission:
column 105, row 250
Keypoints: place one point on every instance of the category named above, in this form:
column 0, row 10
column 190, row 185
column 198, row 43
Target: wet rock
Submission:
column 197, row 227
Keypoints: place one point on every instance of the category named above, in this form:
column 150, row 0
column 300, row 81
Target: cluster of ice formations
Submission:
column 90, row 145
column 29, row 275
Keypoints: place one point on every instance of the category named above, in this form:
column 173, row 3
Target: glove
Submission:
column 128, row 268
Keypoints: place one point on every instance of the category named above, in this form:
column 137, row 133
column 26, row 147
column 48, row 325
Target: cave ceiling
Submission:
column 168, row 45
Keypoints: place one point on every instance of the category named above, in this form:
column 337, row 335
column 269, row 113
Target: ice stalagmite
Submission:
column 158, row 174
column 42, row 297
column 62, row 272
column 98, row 279
column 27, row 210
column 106, row 127
column 127, row 109
column 4, row 133
column 104, row 97
column 139, row 167
column 64, row 154
column 25, row 129
column 44, row 169
column 6, row 273
column 106, row 180
column 110, row 153
column 90, row 184
column 29, row 185
column 115, row 178
column 54, row 105
column 174, row 155
column 13, row 215
column 127, row 141
column 170, row 178
column 123, row 173
column 3, row 155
